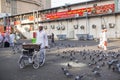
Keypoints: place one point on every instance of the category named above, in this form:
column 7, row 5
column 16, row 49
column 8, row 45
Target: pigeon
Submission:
column 71, row 58
column 62, row 56
column 69, row 66
column 64, row 70
column 109, row 64
column 71, row 54
column 114, row 61
column 79, row 77
column 105, row 58
column 93, row 59
column 113, row 56
column 91, row 64
column 76, row 61
column 57, row 54
column 94, row 62
column 74, row 53
column 117, row 55
column 103, row 64
column 100, row 59
column 97, row 68
column 97, row 55
column 97, row 73
column 66, row 73
column 118, row 67
column 84, row 58
column 90, row 57
column 113, row 68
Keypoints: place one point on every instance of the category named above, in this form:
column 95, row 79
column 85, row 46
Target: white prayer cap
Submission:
column 40, row 25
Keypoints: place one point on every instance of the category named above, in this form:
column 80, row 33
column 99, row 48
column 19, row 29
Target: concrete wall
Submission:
column 23, row 7
column 0, row 6
column 117, row 26
column 87, row 22
column 5, row 6
column 18, row 7
column 95, row 31
column 47, row 4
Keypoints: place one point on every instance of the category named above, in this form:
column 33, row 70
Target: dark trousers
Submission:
column 6, row 44
column 52, row 40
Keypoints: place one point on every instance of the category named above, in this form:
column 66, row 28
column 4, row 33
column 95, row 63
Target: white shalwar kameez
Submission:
column 12, row 39
column 1, row 38
column 41, row 38
column 103, row 40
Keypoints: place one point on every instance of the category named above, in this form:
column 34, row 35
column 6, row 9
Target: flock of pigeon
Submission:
column 96, row 60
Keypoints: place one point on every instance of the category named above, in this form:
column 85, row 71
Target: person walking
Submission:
column 12, row 39
column 42, row 39
column 100, row 45
column 104, row 35
column 6, row 40
column 52, row 38
column 103, row 39
column 1, row 40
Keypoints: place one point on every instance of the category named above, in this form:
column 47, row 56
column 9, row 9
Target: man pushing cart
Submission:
column 35, row 52
column 41, row 38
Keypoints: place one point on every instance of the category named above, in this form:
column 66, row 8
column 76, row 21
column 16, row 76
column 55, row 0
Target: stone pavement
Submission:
column 9, row 69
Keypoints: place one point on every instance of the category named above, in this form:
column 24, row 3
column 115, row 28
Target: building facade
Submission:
column 23, row 6
column 71, row 21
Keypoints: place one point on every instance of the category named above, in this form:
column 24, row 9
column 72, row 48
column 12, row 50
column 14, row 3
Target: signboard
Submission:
column 1, row 29
column 16, row 22
column 31, row 18
column 80, row 12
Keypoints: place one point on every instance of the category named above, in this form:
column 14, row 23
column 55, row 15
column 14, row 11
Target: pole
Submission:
column 86, row 14
column 34, row 19
column 37, row 18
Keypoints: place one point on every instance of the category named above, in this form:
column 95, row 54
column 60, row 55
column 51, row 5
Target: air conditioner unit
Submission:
column 52, row 27
column 111, row 25
column 58, row 27
column 93, row 26
column 75, row 26
column 82, row 27
column 103, row 26
column 63, row 27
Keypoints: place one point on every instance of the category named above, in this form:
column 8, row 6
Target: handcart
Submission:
column 30, row 55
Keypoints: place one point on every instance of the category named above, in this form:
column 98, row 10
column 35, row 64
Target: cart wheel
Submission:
column 36, row 65
column 21, row 64
column 35, row 62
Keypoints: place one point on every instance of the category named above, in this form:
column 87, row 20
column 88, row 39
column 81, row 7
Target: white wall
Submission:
column 111, row 31
column 95, row 31
column 87, row 23
column 117, row 26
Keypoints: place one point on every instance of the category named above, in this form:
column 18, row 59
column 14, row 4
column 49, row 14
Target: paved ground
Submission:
column 55, row 59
